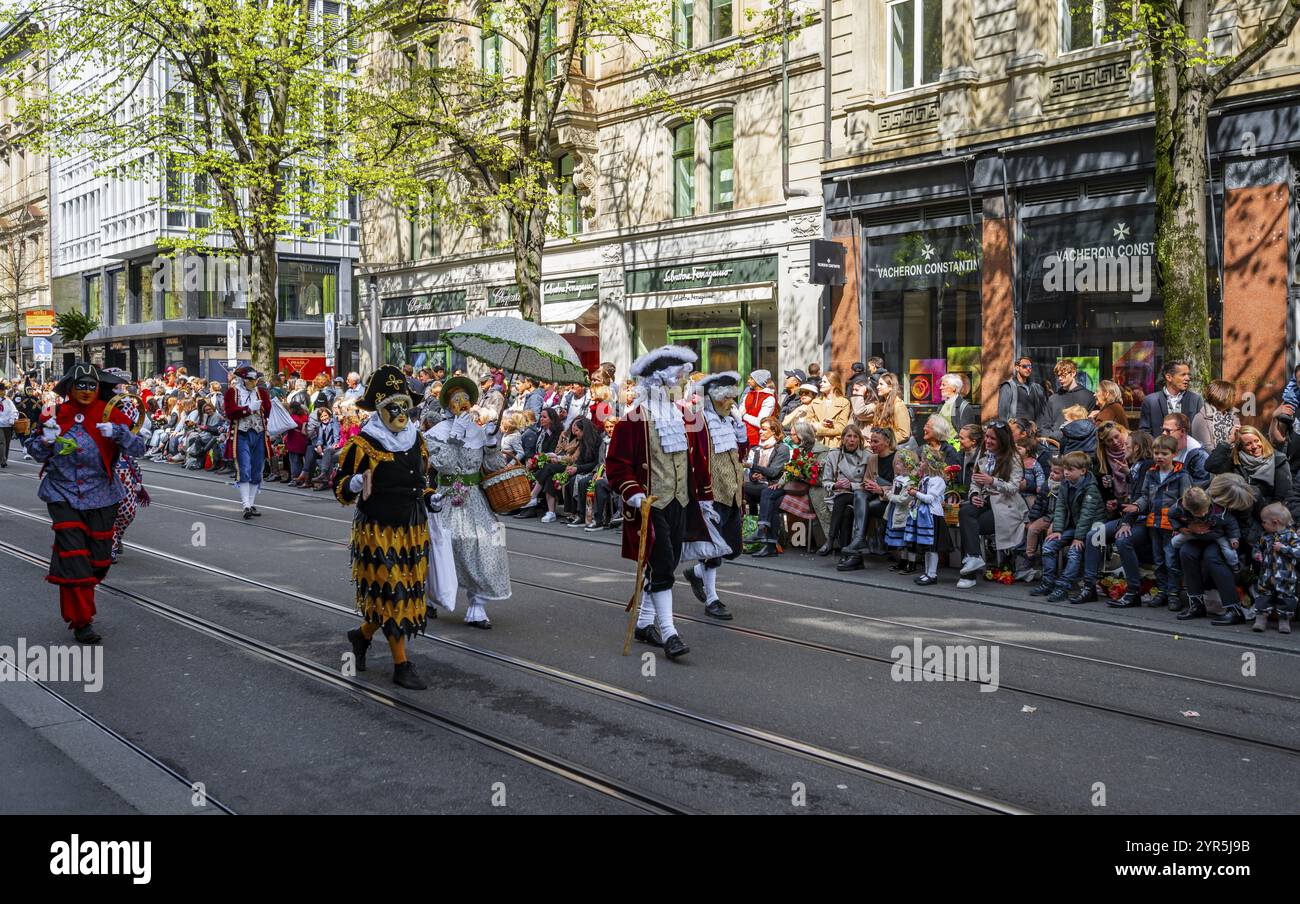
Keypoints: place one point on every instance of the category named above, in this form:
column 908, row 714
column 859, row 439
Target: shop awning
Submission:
column 566, row 311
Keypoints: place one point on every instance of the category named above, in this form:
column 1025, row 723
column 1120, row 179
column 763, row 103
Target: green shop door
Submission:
column 719, row 349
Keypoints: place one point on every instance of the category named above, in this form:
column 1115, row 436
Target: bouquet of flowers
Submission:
column 560, row 479
column 802, row 466
column 457, row 494
column 535, row 464
column 591, row 485
column 1115, row 588
column 1000, row 575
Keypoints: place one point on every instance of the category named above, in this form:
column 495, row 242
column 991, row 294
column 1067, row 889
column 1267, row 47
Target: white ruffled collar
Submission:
column 392, row 442
column 475, row 435
column 667, row 419
column 721, row 430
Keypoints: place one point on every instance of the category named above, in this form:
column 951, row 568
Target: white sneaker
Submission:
column 971, row 565
column 965, row 583
column 548, row 517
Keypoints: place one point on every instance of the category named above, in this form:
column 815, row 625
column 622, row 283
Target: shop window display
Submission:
column 924, row 304
column 1089, row 293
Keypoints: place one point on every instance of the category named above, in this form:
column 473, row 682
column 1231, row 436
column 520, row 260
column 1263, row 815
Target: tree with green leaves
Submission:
column 468, row 104
column 235, row 109
column 1188, row 76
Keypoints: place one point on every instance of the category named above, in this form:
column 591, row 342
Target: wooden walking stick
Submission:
column 634, row 604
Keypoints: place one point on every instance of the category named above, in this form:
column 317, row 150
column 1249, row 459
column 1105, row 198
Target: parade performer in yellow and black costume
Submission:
column 382, row 470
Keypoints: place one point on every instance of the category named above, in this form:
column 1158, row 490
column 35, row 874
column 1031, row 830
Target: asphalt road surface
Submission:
column 224, row 643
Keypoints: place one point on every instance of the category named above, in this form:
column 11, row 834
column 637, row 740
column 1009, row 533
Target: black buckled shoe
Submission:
column 482, row 624
column 1087, row 593
column 697, row 584
column 1195, row 609
column 851, row 562
column 1129, row 600
column 405, row 675
column 1044, row 588
column 254, row 512
column 649, row 634
column 674, row 648
column 87, row 634
column 1059, row 595
column 359, row 647
column 718, row 610
column 925, row 580
column 248, row 513
column 1230, row 617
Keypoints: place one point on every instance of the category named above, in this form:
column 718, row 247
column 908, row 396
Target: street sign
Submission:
column 39, row 323
column 43, row 349
column 232, row 344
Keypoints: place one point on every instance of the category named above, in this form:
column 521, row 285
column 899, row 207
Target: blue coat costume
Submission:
column 81, row 490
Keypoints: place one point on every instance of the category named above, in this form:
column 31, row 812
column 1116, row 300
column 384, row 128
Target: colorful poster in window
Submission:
column 1134, row 370
column 964, row 360
column 923, row 376
column 1089, row 370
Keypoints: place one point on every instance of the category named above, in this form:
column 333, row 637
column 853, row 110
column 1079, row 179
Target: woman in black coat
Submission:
column 589, row 443
column 1249, row 453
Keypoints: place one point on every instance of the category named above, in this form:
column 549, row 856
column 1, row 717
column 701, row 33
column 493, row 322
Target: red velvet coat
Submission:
column 627, row 468
column 235, row 411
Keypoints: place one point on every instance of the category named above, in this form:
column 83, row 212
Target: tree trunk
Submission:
column 262, row 304
column 528, row 240
column 1180, row 116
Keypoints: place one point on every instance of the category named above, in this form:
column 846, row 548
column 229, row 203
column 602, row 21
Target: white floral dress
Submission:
column 466, row 531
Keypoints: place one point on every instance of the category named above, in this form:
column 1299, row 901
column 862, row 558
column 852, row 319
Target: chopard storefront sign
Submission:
column 428, row 303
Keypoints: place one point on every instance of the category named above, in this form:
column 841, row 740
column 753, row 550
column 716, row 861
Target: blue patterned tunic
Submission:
column 79, row 479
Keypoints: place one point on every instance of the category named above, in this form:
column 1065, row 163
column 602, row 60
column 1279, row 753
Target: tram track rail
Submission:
column 857, row 767
column 822, row 610
column 526, row 753
column 1074, row 615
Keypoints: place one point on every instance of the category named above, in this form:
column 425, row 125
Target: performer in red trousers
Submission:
column 658, row 450
column 79, row 444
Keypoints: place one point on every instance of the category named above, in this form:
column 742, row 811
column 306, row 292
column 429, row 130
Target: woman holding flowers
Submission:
column 465, row 528
column 802, row 467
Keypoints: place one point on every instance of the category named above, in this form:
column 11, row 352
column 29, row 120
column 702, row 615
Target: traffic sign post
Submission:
column 232, row 344
column 43, row 349
column 331, row 340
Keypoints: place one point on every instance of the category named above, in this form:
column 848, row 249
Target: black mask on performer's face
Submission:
column 393, row 412
column 84, row 391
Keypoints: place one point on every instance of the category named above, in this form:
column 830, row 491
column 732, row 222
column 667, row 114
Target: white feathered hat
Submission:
column 662, row 358
column 725, row 385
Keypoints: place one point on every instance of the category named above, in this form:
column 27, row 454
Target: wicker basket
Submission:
column 22, row 425
column 950, row 513
column 507, row 489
